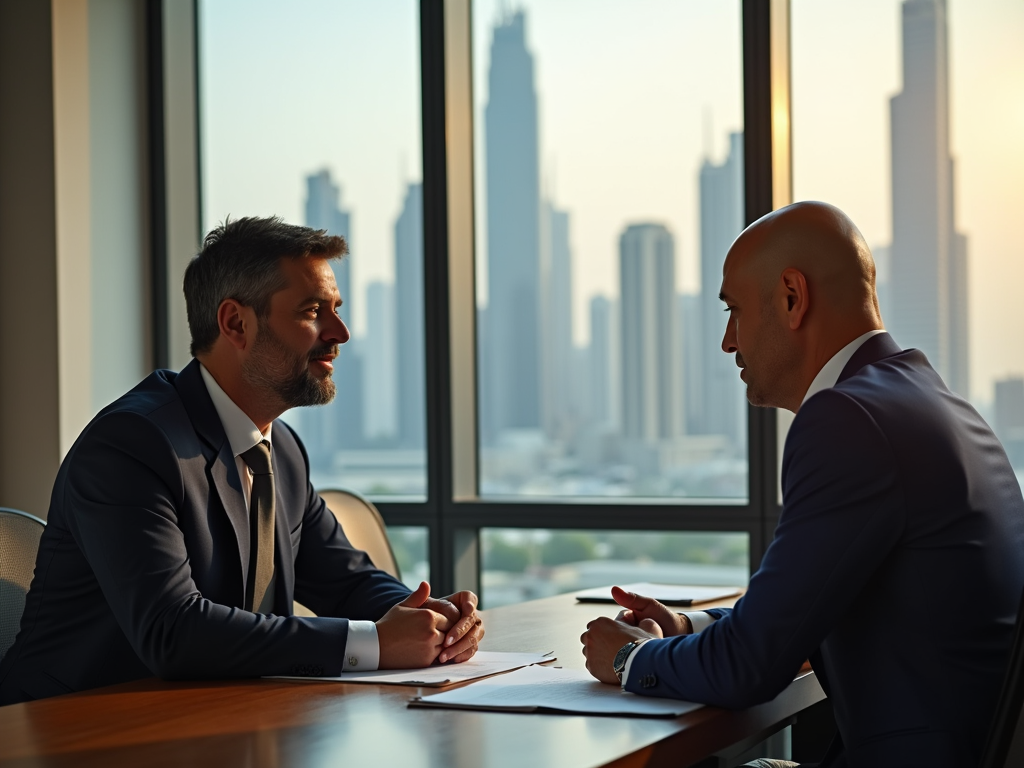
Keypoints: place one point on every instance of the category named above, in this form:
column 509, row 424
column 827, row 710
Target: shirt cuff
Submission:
column 362, row 648
column 629, row 661
column 699, row 620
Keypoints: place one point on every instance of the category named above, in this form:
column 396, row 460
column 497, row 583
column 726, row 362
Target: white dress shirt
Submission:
column 831, row 371
column 362, row 647
column 826, row 379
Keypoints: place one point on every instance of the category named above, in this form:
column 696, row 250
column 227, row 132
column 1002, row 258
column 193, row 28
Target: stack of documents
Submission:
column 666, row 594
column 553, row 690
column 482, row 664
column 526, row 689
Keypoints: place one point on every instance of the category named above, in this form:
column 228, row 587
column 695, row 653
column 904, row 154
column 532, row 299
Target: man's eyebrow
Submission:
column 320, row 300
column 723, row 297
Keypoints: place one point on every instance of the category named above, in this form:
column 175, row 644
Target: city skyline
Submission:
column 673, row 380
column 841, row 90
column 631, row 189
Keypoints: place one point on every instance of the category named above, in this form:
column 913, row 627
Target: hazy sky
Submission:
column 626, row 92
column 846, row 65
column 288, row 88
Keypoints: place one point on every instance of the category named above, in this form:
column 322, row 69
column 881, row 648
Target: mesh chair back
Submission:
column 1005, row 745
column 19, row 543
column 364, row 527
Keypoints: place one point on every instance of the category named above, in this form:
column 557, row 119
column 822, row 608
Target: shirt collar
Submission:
column 831, row 371
column 242, row 433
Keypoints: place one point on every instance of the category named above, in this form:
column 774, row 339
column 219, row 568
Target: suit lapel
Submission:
column 221, row 468
column 871, row 351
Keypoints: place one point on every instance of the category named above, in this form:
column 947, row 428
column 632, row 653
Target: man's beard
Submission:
column 272, row 367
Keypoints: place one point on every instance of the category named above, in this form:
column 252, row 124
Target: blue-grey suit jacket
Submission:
column 141, row 569
column 897, row 568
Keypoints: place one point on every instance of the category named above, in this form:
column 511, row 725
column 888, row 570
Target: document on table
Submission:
column 667, row 594
column 554, row 691
column 482, row 664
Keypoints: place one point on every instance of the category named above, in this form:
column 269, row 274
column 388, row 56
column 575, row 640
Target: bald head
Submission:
column 800, row 285
column 822, row 243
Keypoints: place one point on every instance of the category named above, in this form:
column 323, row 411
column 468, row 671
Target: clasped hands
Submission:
column 642, row 618
column 421, row 630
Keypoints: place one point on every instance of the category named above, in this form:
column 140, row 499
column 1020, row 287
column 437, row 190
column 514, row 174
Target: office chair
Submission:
column 365, row 529
column 1005, row 745
column 19, row 543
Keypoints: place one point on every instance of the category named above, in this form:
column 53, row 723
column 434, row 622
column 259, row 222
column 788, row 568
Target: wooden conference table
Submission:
column 276, row 724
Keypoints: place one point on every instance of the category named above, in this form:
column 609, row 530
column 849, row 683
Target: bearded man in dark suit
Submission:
column 898, row 561
column 183, row 523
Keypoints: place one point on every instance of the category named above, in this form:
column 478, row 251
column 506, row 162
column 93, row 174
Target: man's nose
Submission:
column 729, row 340
column 336, row 332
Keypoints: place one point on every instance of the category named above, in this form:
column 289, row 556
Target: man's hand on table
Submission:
column 650, row 615
column 603, row 639
column 466, row 628
column 643, row 618
column 421, row 630
column 410, row 634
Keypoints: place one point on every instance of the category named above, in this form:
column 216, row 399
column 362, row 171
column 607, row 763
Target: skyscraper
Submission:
column 602, row 368
column 1009, row 417
column 651, row 395
column 379, row 374
column 512, row 385
column 324, row 211
column 929, row 257
column 560, row 406
column 409, row 319
column 720, row 406
column 339, row 424
column 692, row 362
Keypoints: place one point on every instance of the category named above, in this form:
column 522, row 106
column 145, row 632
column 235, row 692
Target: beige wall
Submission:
column 74, row 254
column 29, row 370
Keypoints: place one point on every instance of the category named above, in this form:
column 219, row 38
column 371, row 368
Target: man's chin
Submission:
column 762, row 399
column 313, row 391
column 756, row 397
column 325, row 392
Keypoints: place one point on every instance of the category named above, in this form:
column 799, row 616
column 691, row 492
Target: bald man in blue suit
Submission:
column 898, row 562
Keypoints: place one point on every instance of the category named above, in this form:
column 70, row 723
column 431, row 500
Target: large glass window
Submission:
column 609, row 162
column 311, row 111
column 908, row 116
column 410, row 544
column 526, row 564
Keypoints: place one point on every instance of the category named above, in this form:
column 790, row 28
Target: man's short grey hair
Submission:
column 241, row 260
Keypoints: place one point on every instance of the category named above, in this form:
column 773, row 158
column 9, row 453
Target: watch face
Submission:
column 620, row 658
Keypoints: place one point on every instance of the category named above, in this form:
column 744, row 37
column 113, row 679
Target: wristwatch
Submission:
column 619, row 665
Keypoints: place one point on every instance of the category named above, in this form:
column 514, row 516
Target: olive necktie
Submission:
column 261, row 524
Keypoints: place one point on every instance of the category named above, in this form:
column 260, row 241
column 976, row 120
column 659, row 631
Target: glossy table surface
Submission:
column 265, row 723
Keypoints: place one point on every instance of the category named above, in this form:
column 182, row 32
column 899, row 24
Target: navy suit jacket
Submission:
column 142, row 566
column 897, row 568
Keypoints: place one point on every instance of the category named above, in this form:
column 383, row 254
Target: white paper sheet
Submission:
column 553, row 690
column 669, row 594
column 484, row 663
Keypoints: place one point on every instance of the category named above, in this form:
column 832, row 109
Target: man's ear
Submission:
column 236, row 323
column 797, row 297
